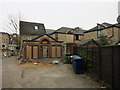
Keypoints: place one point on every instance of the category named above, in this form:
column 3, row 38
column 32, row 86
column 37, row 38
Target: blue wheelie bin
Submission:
column 78, row 64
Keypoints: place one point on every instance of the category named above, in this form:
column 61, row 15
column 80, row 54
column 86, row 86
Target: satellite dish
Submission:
column 118, row 19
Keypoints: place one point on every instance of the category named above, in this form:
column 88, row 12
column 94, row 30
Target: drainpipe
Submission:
column 112, row 33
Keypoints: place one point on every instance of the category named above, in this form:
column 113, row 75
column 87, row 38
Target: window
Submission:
column 76, row 37
column 14, row 35
column 99, row 27
column 69, row 49
column 100, row 33
column 3, row 45
column 36, row 27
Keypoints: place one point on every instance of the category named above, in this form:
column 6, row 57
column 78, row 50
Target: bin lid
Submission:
column 75, row 57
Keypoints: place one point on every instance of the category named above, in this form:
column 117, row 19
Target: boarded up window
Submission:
column 35, row 51
column 58, row 51
column 53, row 51
column 28, row 52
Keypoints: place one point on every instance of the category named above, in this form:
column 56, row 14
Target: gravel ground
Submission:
column 55, row 76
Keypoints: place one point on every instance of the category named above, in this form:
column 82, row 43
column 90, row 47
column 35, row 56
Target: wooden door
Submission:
column 45, row 51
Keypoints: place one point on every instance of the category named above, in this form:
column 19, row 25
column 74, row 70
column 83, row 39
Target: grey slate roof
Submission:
column 80, row 32
column 49, row 31
column 28, row 28
column 83, row 42
column 117, row 25
column 77, row 31
column 63, row 30
column 67, row 30
column 102, row 26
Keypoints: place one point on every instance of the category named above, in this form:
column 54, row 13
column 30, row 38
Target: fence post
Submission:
column 118, row 68
column 92, row 57
column 87, row 59
column 100, row 64
column 112, row 70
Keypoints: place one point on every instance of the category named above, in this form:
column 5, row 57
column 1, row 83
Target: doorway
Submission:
column 45, row 51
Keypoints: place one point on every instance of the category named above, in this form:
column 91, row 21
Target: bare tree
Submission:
column 12, row 25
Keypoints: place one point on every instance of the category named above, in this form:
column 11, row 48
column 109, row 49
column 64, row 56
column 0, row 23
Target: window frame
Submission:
column 76, row 37
column 100, row 33
column 4, row 45
column 36, row 27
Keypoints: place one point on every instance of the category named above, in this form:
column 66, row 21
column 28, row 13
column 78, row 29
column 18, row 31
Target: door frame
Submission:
column 47, row 51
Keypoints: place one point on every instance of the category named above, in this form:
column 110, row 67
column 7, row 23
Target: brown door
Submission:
column 35, row 51
column 45, row 51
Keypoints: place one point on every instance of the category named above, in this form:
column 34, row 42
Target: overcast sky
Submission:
column 70, row 13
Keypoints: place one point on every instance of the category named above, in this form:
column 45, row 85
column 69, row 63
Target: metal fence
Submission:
column 103, row 62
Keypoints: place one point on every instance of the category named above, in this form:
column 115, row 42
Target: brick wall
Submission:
column 107, row 32
column 5, row 40
column 90, row 35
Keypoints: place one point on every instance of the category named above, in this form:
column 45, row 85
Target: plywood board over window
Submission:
column 53, row 51
column 35, row 52
column 28, row 52
column 58, row 51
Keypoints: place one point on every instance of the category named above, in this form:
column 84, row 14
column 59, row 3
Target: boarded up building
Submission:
column 43, row 46
column 38, row 42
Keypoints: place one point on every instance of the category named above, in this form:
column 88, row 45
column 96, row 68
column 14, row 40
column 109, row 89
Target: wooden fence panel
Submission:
column 104, row 62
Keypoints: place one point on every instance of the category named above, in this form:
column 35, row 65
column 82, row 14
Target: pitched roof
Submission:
column 84, row 42
column 63, row 30
column 4, row 33
column 49, row 31
column 117, row 25
column 102, row 26
column 41, row 36
column 31, row 28
column 77, row 30
column 67, row 30
column 117, row 42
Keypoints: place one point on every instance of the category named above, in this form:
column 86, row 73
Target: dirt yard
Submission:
column 42, row 76
column 35, row 65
